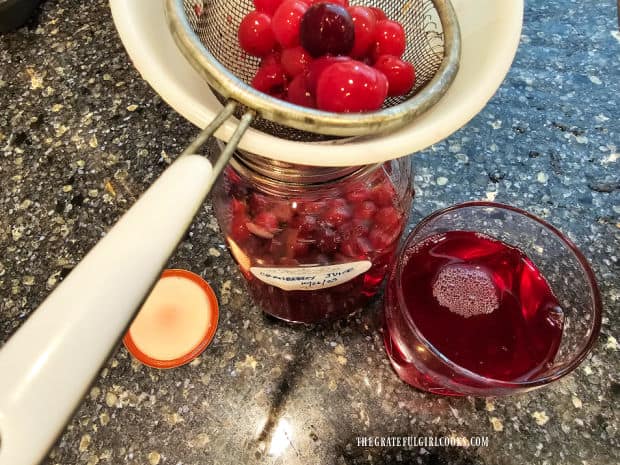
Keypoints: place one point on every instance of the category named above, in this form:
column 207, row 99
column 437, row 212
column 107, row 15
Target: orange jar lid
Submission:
column 176, row 322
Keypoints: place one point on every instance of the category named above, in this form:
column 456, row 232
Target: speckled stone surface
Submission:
column 82, row 135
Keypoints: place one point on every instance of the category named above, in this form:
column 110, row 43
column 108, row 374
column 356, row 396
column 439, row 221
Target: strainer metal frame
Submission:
column 389, row 119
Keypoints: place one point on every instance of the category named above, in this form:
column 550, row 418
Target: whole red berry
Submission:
column 351, row 86
column 270, row 79
column 295, row 60
column 317, row 67
column 299, row 93
column 255, row 34
column 379, row 13
column 400, row 74
column 389, row 39
column 267, row 6
column 365, row 23
column 327, row 28
column 286, row 22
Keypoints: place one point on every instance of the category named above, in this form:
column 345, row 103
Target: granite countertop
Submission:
column 82, row 135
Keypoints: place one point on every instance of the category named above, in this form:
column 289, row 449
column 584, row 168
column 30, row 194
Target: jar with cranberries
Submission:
column 313, row 243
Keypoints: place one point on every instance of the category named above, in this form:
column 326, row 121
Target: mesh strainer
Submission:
column 206, row 33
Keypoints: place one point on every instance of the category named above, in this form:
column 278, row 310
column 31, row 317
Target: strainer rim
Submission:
column 316, row 121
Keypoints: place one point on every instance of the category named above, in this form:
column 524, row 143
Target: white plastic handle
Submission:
column 48, row 364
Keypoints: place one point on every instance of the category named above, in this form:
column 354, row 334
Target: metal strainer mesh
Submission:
column 216, row 22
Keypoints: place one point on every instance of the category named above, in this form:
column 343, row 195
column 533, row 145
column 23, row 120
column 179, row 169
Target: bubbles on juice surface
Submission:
column 465, row 290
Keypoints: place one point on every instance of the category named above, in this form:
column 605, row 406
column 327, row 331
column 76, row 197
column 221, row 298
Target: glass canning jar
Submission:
column 313, row 243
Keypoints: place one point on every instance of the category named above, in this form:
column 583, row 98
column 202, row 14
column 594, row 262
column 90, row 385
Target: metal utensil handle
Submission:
column 49, row 363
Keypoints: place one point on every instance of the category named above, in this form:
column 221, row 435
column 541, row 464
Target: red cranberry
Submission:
column 383, row 194
column 270, row 79
column 388, row 217
column 357, row 193
column 328, row 239
column 295, row 61
column 282, row 211
column 273, row 58
column 267, row 6
column 379, row 13
column 355, row 228
column 286, row 22
column 266, row 220
column 299, row 92
column 365, row 23
column 238, row 207
column 357, row 247
column 238, row 229
column 351, row 87
column 381, row 239
column 258, row 203
column 365, row 210
column 400, row 74
column 327, row 28
column 337, row 215
column 255, row 34
column 317, row 67
column 389, row 39
column 307, row 224
column 312, row 208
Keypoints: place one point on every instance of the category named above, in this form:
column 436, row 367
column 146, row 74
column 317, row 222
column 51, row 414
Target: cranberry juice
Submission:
column 480, row 302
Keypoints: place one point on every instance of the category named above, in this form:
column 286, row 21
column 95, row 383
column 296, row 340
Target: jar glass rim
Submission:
column 566, row 367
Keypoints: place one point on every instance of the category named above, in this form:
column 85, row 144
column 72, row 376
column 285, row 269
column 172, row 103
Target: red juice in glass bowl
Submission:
column 488, row 300
column 312, row 243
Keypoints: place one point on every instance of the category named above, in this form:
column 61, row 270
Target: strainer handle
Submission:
column 48, row 364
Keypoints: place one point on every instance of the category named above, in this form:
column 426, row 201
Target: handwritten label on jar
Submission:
column 310, row 278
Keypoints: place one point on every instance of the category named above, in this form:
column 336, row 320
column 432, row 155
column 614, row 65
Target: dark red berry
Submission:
column 389, row 39
column 351, row 87
column 327, row 29
column 267, row 6
column 400, row 74
column 295, row 61
column 255, row 34
column 286, row 22
column 365, row 23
